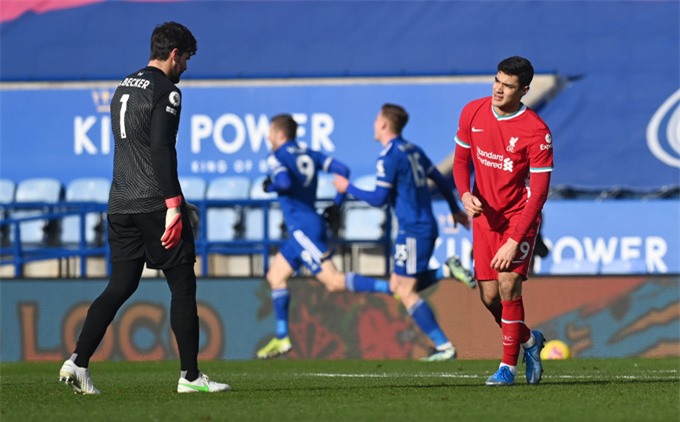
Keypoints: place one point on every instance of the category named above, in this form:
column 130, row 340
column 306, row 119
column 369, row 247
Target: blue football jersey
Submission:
column 302, row 166
column 403, row 168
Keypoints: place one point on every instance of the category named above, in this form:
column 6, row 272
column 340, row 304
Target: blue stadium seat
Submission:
column 7, row 188
column 574, row 267
column 254, row 217
column 193, row 188
column 94, row 189
column 325, row 189
column 362, row 221
column 222, row 223
column 45, row 190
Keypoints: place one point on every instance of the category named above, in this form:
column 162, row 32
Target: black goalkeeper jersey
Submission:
column 145, row 111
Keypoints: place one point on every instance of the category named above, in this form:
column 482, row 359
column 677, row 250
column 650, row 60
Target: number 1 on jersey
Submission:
column 123, row 109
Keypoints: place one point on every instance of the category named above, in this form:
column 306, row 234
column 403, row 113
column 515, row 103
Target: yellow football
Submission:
column 555, row 349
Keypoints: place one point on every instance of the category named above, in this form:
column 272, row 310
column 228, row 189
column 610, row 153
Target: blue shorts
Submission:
column 302, row 249
column 412, row 254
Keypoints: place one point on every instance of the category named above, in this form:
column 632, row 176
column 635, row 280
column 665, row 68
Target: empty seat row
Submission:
column 223, row 224
column 50, row 191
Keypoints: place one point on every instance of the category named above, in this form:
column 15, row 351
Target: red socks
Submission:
column 515, row 332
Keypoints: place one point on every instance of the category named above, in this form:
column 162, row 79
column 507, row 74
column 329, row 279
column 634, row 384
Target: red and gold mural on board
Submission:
column 595, row 316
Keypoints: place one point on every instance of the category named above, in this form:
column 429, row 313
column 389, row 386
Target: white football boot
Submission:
column 202, row 384
column 78, row 378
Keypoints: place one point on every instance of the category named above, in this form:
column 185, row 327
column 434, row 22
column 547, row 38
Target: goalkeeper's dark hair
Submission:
column 396, row 116
column 518, row 66
column 168, row 36
column 286, row 124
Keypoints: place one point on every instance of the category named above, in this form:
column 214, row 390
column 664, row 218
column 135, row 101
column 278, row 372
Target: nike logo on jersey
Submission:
column 474, row 129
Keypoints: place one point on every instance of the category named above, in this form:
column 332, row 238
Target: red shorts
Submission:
column 485, row 244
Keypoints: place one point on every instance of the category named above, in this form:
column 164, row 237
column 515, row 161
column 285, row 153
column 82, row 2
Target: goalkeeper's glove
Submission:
column 266, row 184
column 173, row 223
column 193, row 214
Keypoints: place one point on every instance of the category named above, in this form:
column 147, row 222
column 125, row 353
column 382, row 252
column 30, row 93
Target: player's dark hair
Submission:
column 396, row 116
column 518, row 66
column 286, row 124
column 168, row 36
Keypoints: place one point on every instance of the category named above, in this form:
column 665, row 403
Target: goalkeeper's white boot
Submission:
column 460, row 273
column 275, row 347
column 202, row 384
column 78, row 378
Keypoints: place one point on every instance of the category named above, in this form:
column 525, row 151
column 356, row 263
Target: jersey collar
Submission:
column 389, row 145
column 519, row 112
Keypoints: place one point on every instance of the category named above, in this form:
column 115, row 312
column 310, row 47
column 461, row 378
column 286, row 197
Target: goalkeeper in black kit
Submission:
column 148, row 218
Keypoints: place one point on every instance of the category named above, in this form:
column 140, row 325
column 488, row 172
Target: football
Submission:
column 555, row 349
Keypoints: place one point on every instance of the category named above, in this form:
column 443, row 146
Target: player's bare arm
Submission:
column 461, row 217
column 472, row 204
column 341, row 183
column 503, row 258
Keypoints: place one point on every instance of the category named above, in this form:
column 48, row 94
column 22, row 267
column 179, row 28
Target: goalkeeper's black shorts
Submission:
column 133, row 236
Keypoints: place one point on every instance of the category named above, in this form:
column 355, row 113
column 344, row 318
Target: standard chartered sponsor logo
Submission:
column 493, row 160
column 663, row 131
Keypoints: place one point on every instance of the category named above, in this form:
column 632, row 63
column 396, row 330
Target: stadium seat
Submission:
column 574, row 267
column 254, row 217
column 325, row 189
column 362, row 221
column 45, row 190
column 193, row 188
column 95, row 189
column 222, row 223
column 7, row 188
column 366, row 224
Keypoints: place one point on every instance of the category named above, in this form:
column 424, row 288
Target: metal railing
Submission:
column 15, row 252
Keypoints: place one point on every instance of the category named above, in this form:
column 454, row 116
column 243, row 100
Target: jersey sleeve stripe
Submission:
column 540, row 169
column 461, row 143
column 327, row 163
column 383, row 184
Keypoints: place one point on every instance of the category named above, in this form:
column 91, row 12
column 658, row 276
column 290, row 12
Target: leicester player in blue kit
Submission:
column 293, row 174
column 293, row 171
column 403, row 170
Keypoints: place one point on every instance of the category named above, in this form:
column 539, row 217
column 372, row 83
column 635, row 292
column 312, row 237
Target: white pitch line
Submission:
column 648, row 375
column 386, row 375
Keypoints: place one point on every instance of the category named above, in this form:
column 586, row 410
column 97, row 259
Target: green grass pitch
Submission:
column 349, row 390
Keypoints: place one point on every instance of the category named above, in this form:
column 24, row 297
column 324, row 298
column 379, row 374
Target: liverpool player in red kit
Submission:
column 508, row 145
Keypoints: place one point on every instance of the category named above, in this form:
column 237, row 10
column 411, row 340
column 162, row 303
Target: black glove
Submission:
column 266, row 183
column 332, row 216
column 193, row 214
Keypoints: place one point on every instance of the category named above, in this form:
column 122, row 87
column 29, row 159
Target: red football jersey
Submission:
column 504, row 151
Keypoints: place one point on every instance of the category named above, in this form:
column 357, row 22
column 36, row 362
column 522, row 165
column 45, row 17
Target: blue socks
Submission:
column 359, row 283
column 423, row 316
column 281, row 299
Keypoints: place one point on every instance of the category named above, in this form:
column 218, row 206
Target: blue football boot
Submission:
column 532, row 359
column 503, row 376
